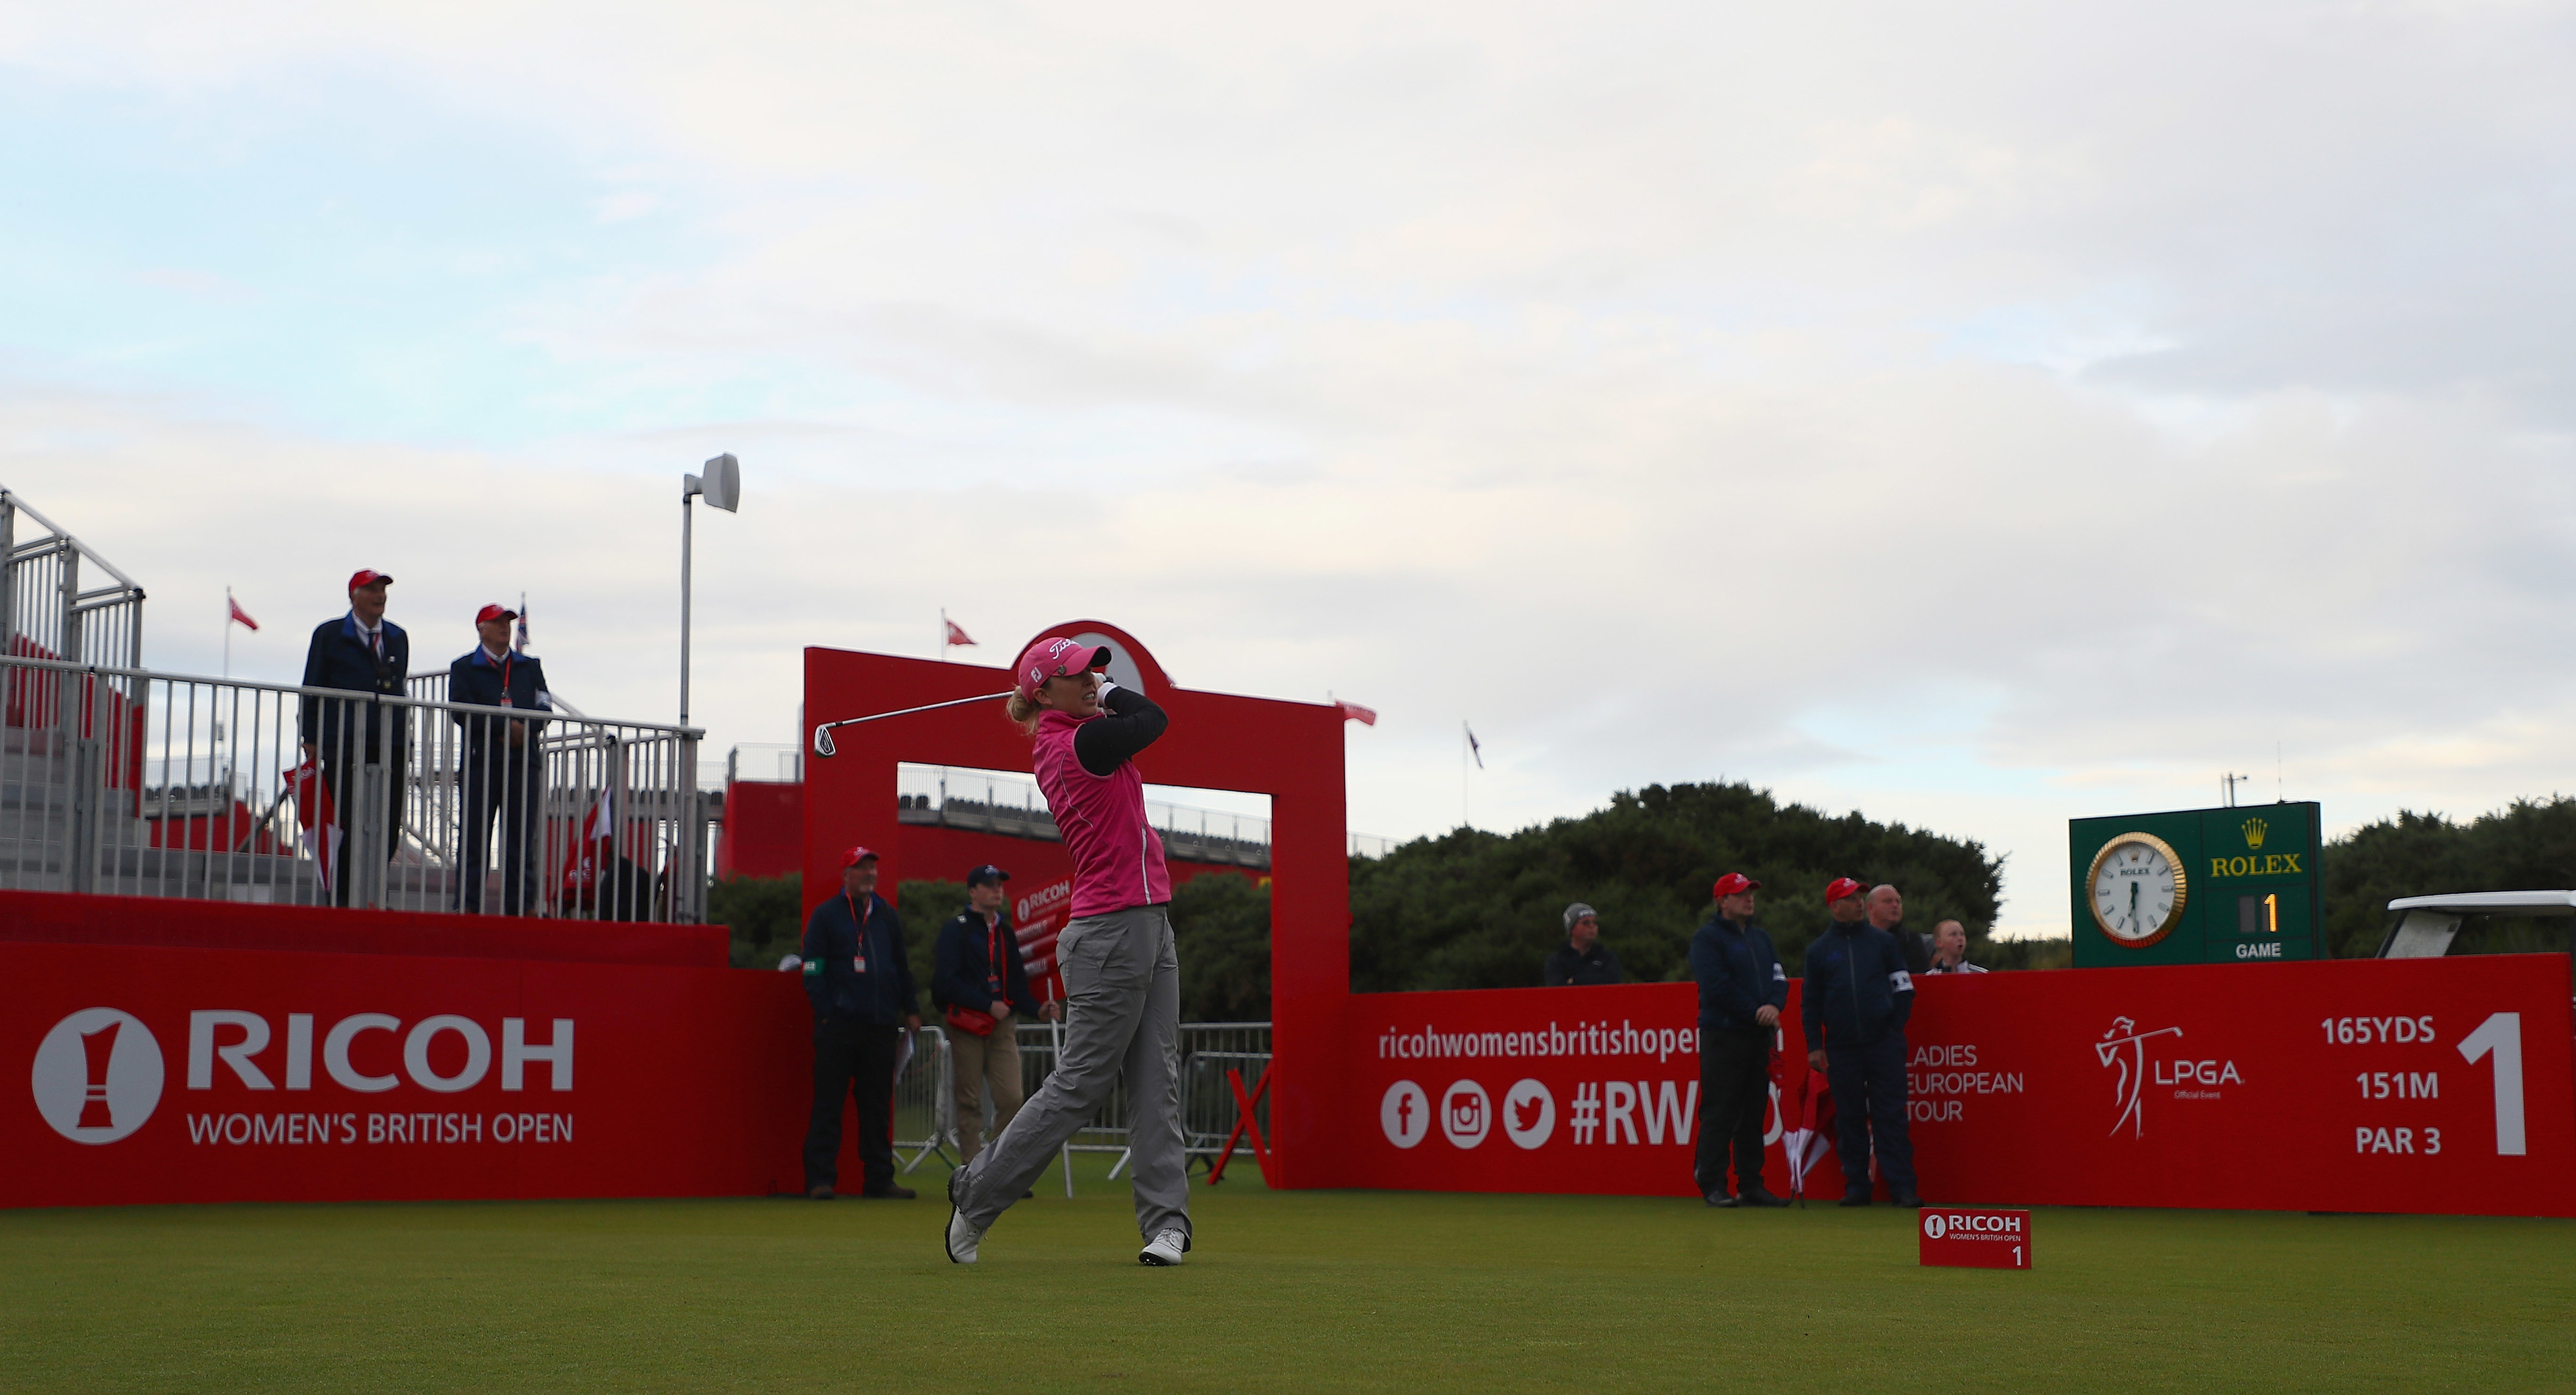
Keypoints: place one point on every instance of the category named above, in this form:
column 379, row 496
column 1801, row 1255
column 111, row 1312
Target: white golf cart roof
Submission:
column 2425, row 924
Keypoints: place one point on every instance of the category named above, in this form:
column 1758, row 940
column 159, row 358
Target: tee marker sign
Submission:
column 1976, row 1239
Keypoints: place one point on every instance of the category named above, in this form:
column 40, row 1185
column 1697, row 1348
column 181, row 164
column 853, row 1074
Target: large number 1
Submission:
column 2501, row 1033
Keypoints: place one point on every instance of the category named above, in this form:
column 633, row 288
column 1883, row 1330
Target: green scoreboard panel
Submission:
column 2196, row 886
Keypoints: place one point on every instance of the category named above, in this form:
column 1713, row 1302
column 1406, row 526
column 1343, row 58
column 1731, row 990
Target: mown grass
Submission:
column 1286, row 1291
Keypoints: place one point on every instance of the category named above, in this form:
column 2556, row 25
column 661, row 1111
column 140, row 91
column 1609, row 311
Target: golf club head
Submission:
column 823, row 742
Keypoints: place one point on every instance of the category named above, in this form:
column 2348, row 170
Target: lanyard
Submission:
column 858, row 961
column 993, row 953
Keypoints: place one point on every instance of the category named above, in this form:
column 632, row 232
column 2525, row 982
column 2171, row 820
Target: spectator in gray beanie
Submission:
column 1582, row 959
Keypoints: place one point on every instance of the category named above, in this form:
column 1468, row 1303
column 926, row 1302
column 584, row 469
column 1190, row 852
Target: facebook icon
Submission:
column 1405, row 1113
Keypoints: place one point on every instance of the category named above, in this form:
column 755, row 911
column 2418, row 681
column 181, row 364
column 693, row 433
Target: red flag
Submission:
column 240, row 616
column 1353, row 712
column 313, row 811
column 595, row 852
column 1807, row 1142
column 956, row 636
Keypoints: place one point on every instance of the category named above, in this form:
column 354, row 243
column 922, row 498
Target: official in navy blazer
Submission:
column 363, row 653
column 504, row 763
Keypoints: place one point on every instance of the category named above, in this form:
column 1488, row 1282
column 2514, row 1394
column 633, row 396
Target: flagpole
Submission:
column 228, row 632
column 1464, row 820
column 943, row 634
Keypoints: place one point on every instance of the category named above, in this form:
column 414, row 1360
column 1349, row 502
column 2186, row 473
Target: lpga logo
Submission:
column 97, row 1076
column 2125, row 1047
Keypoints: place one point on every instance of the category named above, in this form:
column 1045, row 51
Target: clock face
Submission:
column 2138, row 889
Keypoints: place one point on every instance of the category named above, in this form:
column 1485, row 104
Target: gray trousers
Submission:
column 1122, row 990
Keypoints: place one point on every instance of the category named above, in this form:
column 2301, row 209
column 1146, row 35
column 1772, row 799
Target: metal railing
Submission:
column 925, row 1114
column 117, row 780
column 766, row 762
column 987, row 801
column 45, row 611
column 925, row 1103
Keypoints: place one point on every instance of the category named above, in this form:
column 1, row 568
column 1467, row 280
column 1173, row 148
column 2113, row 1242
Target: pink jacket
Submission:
column 1117, row 856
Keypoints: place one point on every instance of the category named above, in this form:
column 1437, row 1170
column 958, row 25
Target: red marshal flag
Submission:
column 240, row 616
column 1353, row 712
column 594, row 853
column 956, row 636
column 315, row 815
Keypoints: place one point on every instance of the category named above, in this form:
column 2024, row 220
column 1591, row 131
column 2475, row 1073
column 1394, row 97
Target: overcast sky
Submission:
column 1977, row 415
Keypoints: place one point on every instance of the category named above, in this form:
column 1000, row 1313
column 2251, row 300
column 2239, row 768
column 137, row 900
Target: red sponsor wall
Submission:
column 2439, row 1086
column 377, row 1067
column 184, row 1075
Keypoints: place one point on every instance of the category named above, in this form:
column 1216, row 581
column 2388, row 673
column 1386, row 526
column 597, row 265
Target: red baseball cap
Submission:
column 1841, row 887
column 368, row 576
column 1735, row 883
column 855, row 856
column 494, row 612
column 1057, row 657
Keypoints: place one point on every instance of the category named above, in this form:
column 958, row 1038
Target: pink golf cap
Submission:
column 1057, row 657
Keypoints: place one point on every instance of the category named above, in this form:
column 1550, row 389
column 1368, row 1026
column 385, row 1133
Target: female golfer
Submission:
column 1122, row 982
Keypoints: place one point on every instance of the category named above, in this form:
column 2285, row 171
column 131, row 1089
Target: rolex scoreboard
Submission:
column 2197, row 886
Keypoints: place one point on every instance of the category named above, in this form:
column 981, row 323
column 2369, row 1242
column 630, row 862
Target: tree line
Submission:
column 1473, row 909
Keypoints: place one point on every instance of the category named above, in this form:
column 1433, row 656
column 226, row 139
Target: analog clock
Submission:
column 2138, row 888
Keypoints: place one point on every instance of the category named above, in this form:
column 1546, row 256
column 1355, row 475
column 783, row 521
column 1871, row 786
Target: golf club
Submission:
column 823, row 733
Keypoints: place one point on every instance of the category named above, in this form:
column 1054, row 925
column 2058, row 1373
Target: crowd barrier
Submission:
column 926, row 1111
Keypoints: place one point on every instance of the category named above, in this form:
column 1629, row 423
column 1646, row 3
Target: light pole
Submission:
column 722, row 486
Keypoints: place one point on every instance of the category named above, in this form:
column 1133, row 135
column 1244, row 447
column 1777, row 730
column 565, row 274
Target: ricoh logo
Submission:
column 1041, row 901
column 98, row 1075
column 1937, row 1224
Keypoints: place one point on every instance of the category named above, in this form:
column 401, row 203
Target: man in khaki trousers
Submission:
column 978, row 982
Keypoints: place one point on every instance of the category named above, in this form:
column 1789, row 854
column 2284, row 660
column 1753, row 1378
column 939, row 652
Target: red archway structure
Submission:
column 1290, row 751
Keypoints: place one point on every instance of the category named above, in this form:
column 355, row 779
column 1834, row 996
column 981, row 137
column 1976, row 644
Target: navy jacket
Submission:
column 1567, row 969
column 476, row 679
column 962, row 970
column 833, row 945
column 340, row 658
column 1858, row 989
column 1738, row 972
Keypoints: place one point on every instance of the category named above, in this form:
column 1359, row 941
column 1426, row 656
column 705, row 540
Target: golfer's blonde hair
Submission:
column 1023, row 712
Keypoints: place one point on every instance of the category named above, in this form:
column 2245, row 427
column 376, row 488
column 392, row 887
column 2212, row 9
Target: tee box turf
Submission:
column 1976, row 1238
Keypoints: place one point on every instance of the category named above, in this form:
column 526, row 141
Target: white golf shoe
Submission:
column 1166, row 1247
column 962, row 1238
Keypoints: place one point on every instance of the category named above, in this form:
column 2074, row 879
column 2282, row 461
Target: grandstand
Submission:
column 118, row 780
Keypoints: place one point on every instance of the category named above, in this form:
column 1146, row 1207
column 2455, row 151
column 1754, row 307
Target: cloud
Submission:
column 1978, row 417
